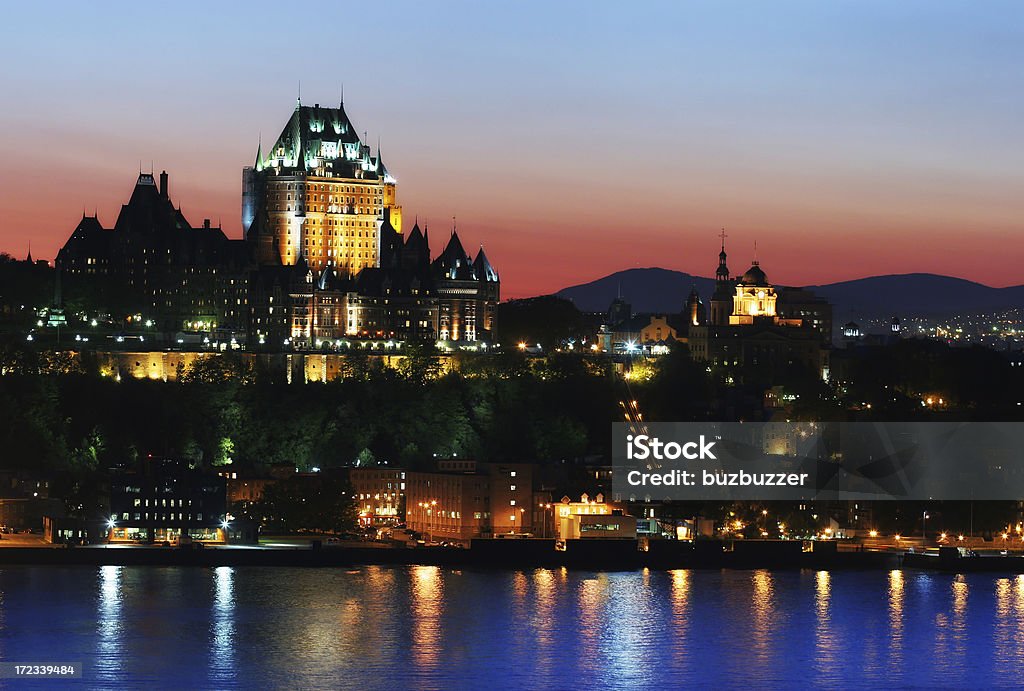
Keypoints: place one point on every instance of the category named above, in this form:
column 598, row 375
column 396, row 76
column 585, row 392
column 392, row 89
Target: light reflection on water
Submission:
column 1008, row 632
column 826, row 643
column 222, row 625
column 428, row 627
column 109, row 624
column 680, row 630
column 895, row 622
column 426, row 611
column 762, row 602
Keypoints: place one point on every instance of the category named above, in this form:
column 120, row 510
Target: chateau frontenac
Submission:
column 323, row 261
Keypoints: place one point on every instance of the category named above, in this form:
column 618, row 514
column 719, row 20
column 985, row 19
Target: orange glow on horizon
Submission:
column 542, row 247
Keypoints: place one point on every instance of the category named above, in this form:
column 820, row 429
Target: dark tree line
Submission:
column 222, row 412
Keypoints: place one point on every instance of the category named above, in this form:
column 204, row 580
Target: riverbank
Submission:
column 600, row 555
column 606, row 555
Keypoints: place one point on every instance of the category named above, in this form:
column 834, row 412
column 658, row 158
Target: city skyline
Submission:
column 618, row 140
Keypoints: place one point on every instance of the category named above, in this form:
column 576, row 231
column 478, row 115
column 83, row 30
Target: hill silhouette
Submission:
column 918, row 294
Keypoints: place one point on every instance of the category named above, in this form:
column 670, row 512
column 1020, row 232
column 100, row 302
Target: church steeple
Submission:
column 721, row 298
column 722, row 273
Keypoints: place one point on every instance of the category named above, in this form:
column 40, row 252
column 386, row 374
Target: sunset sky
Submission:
column 846, row 138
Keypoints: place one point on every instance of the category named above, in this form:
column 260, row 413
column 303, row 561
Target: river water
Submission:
column 427, row 627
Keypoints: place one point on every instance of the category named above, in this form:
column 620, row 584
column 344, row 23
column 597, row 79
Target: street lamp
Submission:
column 546, row 507
column 924, row 525
column 428, row 506
column 433, row 511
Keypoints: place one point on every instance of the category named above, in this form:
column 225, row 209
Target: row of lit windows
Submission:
column 163, row 502
column 160, row 516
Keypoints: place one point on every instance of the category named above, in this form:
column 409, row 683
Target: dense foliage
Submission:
column 61, row 418
column 222, row 412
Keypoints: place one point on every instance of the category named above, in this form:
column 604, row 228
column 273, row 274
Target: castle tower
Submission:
column 319, row 194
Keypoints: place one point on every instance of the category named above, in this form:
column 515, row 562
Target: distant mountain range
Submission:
column 904, row 295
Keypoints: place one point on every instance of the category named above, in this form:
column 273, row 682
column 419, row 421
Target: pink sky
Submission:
column 848, row 141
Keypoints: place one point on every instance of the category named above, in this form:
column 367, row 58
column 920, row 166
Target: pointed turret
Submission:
column 484, row 271
column 415, row 236
column 453, row 262
column 259, row 155
column 415, row 253
column 382, row 170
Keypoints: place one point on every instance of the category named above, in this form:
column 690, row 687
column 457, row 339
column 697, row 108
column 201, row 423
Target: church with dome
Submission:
column 753, row 323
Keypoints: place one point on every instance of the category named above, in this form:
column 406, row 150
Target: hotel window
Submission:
column 512, row 502
column 512, row 488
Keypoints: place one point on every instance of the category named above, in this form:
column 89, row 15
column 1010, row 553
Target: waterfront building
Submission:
column 243, row 492
column 161, row 499
column 25, row 500
column 591, row 519
column 379, row 493
column 26, row 512
column 463, row 499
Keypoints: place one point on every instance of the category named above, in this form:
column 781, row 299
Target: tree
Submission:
column 421, row 362
column 548, row 320
column 322, row 503
column 217, row 369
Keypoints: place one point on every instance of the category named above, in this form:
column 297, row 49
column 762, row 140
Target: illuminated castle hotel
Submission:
column 754, row 323
column 323, row 260
column 319, row 195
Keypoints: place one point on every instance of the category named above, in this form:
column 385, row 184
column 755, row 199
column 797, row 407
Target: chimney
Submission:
column 163, row 184
column 206, row 223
